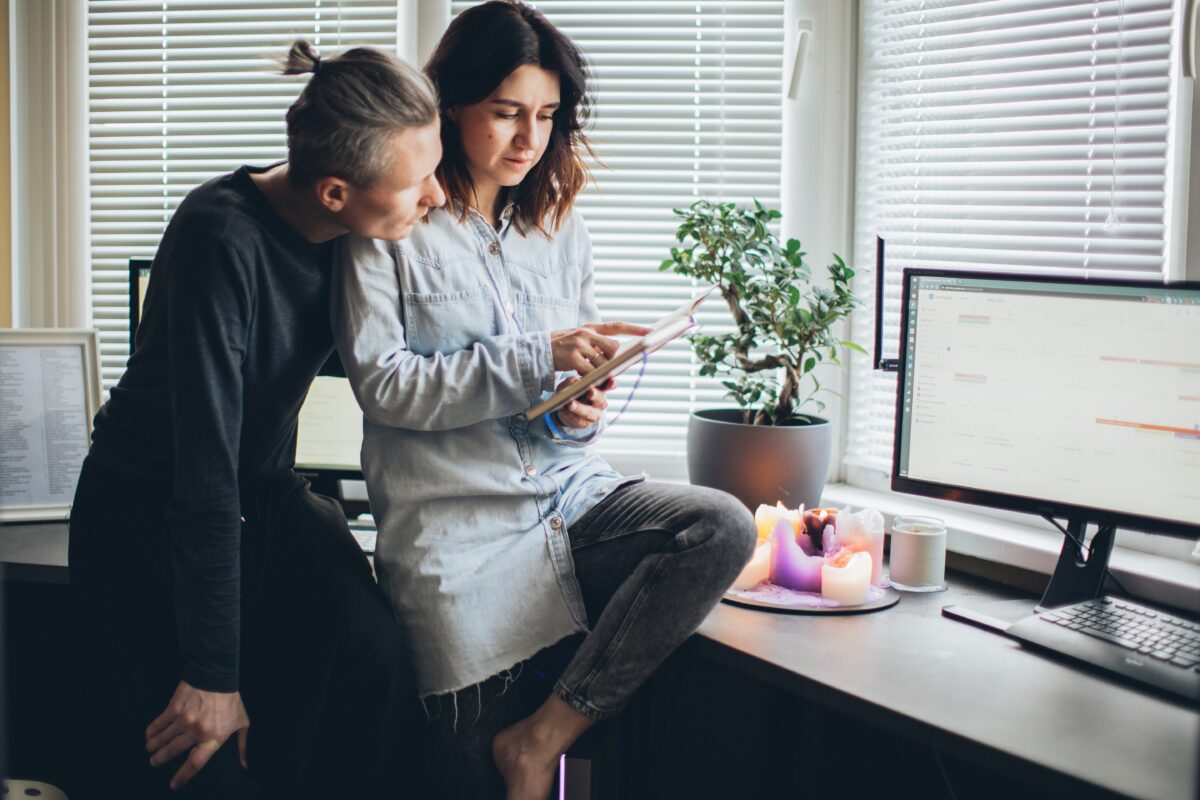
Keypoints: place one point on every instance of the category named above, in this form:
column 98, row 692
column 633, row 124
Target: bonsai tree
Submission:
column 782, row 320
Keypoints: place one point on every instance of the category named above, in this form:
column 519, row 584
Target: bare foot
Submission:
column 526, row 764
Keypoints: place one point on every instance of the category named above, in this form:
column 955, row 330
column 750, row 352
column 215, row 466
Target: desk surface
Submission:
column 910, row 670
column 913, row 671
column 34, row 551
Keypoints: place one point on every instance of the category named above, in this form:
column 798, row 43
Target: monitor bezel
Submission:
column 1009, row 502
column 136, row 265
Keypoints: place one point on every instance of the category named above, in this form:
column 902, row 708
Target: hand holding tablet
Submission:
column 604, row 361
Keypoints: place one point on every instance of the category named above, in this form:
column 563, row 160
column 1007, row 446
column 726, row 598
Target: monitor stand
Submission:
column 1079, row 577
column 1076, row 577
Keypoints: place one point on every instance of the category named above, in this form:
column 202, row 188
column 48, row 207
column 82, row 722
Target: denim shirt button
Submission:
column 556, row 522
column 494, row 248
column 603, row 490
column 530, row 469
column 510, row 309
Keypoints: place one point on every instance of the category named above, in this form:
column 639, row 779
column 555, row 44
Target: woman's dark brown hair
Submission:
column 343, row 121
column 482, row 46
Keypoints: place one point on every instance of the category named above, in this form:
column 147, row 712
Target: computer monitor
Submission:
column 329, row 440
column 329, row 431
column 1069, row 398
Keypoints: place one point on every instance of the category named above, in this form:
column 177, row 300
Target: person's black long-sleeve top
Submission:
column 234, row 327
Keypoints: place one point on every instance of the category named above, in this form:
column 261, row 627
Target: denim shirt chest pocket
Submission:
column 546, row 292
column 544, row 313
column 447, row 304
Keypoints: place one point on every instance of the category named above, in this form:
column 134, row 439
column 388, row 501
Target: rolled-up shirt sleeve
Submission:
column 497, row 376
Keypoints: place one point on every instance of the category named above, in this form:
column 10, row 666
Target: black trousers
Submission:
column 324, row 678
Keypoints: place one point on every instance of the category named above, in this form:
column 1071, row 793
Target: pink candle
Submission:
column 791, row 568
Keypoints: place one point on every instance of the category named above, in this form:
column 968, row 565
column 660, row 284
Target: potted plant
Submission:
column 769, row 447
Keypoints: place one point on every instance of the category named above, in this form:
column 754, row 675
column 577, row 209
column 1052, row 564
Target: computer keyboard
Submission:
column 1132, row 640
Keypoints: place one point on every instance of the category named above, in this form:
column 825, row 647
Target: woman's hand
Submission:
column 199, row 721
column 584, row 348
column 587, row 409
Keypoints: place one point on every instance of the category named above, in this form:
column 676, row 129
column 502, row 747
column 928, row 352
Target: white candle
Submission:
column 765, row 518
column 756, row 571
column 846, row 577
column 918, row 558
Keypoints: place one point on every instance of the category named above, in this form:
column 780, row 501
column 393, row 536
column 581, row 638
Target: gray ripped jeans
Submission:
column 652, row 561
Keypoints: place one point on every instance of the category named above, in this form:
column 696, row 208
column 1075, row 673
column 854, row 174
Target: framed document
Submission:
column 49, row 393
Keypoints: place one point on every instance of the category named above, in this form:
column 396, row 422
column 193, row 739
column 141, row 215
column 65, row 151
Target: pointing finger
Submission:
column 619, row 328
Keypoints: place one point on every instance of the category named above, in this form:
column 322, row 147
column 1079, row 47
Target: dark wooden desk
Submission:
column 968, row 691
column 34, row 552
column 910, row 671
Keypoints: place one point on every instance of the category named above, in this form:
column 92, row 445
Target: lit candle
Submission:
column 847, row 577
column 791, row 568
column 766, row 516
column 820, row 517
column 862, row 531
column 755, row 572
column 821, row 524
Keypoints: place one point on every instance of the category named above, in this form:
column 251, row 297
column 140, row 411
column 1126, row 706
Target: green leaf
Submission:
column 780, row 317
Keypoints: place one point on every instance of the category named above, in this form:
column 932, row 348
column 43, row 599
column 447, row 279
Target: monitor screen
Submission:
column 1060, row 396
column 329, row 434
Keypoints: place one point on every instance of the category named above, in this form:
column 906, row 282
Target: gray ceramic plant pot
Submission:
column 759, row 463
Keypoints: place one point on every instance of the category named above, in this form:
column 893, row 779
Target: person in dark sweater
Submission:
column 214, row 594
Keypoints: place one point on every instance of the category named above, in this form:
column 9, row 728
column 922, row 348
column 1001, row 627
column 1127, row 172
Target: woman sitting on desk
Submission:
column 500, row 536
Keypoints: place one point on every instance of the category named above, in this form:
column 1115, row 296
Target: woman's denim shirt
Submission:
column 445, row 339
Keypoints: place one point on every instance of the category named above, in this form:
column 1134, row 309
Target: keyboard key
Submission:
column 1117, row 640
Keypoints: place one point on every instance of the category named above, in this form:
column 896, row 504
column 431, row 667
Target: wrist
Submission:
column 554, row 423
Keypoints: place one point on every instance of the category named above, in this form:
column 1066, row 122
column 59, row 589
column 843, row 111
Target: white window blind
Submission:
column 688, row 103
column 180, row 92
column 1011, row 135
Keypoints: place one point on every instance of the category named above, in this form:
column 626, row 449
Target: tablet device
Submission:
column 666, row 330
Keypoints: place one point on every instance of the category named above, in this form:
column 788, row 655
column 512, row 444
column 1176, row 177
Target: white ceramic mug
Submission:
column 917, row 562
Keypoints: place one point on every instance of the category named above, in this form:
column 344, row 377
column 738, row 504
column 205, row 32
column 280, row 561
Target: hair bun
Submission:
column 302, row 57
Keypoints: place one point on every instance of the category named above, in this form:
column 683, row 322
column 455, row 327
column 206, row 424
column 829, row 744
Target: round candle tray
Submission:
column 778, row 599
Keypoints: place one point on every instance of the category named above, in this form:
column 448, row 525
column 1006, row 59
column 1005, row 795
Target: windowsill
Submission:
column 1146, row 576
